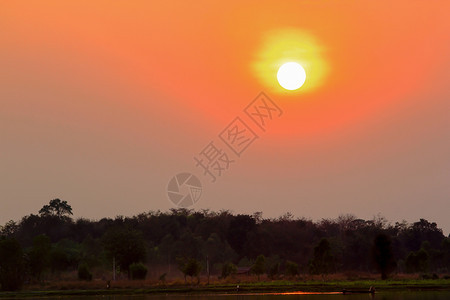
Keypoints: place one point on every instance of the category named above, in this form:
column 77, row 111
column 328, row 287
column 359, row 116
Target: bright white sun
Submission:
column 291, row 76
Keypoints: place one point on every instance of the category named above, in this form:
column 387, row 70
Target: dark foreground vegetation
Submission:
column 276, row 287
column 185, row 245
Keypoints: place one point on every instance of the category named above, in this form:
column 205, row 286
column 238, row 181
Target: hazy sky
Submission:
column 102, row 102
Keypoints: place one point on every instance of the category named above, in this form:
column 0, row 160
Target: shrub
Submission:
column 228, row 269
column 84, row 273
column 190, row 267
column 258, row 267
column 138, row 271
column 273, row 270
column 417, row 261
column 291, row 269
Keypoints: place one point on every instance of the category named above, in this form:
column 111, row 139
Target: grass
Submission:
column 126, row 287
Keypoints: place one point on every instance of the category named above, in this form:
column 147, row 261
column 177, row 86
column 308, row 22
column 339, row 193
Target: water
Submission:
column 408, row 295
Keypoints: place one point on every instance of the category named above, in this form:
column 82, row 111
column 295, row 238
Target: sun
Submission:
column 291, row 76
column 290, row 48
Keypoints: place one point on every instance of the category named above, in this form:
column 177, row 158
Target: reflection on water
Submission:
column 440, row 295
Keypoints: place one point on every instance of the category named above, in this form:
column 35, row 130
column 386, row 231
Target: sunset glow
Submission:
column 290, row 45
column 102, row 102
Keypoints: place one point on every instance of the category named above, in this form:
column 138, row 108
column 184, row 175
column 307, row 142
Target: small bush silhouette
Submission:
column 138, row 271
column 291, row 269
column 228, row 269
column 84, row 273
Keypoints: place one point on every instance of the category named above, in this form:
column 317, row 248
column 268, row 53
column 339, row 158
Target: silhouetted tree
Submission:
column 59, row 259
column 190, row 267
column 421, row 231
column 228, row 269
column 273, row 270
column 126, row 246
column 225, row 237
column 138, row 271
column 11, row 264
column 39, row 255
column 323, row 260
column 445, row 263
column 84, row 273
column 258, row 267
column 218, row 251
column 291, row 269
column 91, row 251
column 417, row 261
column 9, row 229
column 382, row 255
column 72, row 251
column 238, row 231
column 56, row 207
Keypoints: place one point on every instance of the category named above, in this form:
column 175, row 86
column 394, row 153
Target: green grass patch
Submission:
column 255, row 287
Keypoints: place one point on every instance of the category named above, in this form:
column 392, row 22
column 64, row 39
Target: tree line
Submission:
column 52, row 243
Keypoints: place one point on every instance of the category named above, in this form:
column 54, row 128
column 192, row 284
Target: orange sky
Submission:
column 103, row 101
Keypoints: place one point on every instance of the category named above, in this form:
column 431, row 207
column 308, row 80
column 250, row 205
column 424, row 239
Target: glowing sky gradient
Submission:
column 102, row 102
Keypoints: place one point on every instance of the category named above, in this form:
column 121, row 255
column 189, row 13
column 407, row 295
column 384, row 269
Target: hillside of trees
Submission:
column 181, row 242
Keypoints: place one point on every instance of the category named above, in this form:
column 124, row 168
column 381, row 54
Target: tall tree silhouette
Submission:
column 126, row 246
column 39, row 255
column 11, row 264
column 323, row 260
column 383, row 255
column 56, row 207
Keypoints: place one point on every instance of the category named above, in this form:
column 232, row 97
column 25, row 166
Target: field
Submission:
column 127, row 287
